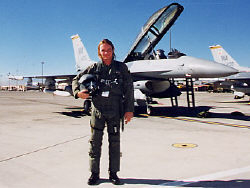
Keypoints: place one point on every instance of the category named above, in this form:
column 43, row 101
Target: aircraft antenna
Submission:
column 170, row 47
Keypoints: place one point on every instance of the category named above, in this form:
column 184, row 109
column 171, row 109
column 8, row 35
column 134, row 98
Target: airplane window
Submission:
column 152, row 19
column 165, row 16
column 145, row 42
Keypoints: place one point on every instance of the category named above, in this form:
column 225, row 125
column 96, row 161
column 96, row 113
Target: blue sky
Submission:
column 33, row 31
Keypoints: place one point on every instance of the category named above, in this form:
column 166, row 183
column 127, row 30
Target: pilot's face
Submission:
column 106, row 52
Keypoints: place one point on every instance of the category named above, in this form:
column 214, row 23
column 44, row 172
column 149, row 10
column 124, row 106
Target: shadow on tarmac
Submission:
column 144, row 181
column 239, row 183
column 135, row 181
column 177, row 111
column 200, row 111
column 75, row 114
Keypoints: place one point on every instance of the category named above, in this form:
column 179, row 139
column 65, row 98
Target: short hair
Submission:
column 107, row 41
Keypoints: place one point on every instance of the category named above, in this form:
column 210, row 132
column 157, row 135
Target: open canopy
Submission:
column 152, row 32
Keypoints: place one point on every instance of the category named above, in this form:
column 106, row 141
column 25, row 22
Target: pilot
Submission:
column 112, row 103
column 160, row 54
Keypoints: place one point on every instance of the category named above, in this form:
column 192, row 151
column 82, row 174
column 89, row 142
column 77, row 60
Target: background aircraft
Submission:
column 240, row 82
column 30, row 85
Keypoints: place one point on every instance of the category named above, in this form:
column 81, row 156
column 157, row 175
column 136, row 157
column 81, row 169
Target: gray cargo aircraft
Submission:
column 240, row 83
column 152, row 71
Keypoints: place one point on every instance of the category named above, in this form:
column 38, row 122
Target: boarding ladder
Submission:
column 174, row 100
column 190, row 93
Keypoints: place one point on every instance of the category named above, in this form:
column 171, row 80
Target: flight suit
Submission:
column 114, row 97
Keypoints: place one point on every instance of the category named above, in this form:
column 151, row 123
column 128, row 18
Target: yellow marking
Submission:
column 201, row 121
column 216, row 123
column 215, row 47
column 210, row 122
column 190, row 120
column 75, row 37
column 146, row 115
column 241, row 126
column 168, row 117
column 184, row 145
column 207, row 122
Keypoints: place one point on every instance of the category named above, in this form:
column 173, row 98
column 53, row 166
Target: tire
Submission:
column 87, row 107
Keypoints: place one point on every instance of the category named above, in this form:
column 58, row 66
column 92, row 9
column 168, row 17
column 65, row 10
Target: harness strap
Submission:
column 96, row 128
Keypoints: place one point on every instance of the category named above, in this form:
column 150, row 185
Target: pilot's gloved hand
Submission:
column 83, row 94
column 128, row 116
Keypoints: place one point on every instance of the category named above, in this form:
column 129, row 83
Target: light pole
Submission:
column 9, row 80
column 42, row 72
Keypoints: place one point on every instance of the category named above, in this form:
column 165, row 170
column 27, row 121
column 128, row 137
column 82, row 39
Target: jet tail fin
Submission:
column 81, row 55
column 221, row 56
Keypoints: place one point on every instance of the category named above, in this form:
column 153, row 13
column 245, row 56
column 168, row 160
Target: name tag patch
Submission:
column 105, row 94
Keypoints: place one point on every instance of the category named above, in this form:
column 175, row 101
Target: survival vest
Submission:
column 109, row 78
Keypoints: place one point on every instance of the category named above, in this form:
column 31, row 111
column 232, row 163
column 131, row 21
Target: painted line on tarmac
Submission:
column 41, row 149
column 210, row 122
column 208, row 177
column 202, row 121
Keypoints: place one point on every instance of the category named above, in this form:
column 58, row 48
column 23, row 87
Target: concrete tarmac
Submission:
column 44, row 143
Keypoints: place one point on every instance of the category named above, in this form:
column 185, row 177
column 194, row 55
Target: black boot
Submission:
column 114, row 178
column 93, row 178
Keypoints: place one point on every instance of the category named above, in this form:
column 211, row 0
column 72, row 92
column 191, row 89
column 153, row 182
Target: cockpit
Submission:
column 153, row 31
column 160, row 54
column 174, row 54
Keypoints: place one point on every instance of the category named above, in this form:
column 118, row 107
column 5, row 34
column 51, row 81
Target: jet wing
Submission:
column 153, row 31
column 68, row 77
column 242, row 77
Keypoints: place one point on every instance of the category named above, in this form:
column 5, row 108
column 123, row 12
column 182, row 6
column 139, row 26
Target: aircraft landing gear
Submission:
column 149, row 110
column 151, row 101
column 87, row 107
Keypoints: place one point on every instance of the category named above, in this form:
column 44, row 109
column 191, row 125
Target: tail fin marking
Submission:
column 221, row 56
column 81, row 55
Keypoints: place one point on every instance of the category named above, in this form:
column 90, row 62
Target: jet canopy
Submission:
column 153, row 31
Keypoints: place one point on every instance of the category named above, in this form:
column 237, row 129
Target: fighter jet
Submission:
column 240, row 83
column 30, row 85
column 152, row 71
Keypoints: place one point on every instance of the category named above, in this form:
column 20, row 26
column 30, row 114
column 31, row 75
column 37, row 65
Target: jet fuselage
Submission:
column 182, row 67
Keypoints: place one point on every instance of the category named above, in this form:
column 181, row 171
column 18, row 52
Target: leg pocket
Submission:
column 97, row 121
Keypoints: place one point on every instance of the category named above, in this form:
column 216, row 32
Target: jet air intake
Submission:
column 152, row 86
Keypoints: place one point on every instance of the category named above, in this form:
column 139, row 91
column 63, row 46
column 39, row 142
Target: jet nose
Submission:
column 219, row 70
column 210, row 69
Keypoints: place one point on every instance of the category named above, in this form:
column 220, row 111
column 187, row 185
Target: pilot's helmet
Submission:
column 160, row 54
column 160, row 51
column 89, row 82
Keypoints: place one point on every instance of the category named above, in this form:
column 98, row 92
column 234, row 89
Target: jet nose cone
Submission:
column 210, row 69
column 217, row 70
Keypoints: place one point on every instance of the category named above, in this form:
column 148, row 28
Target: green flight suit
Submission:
column 116, row 93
